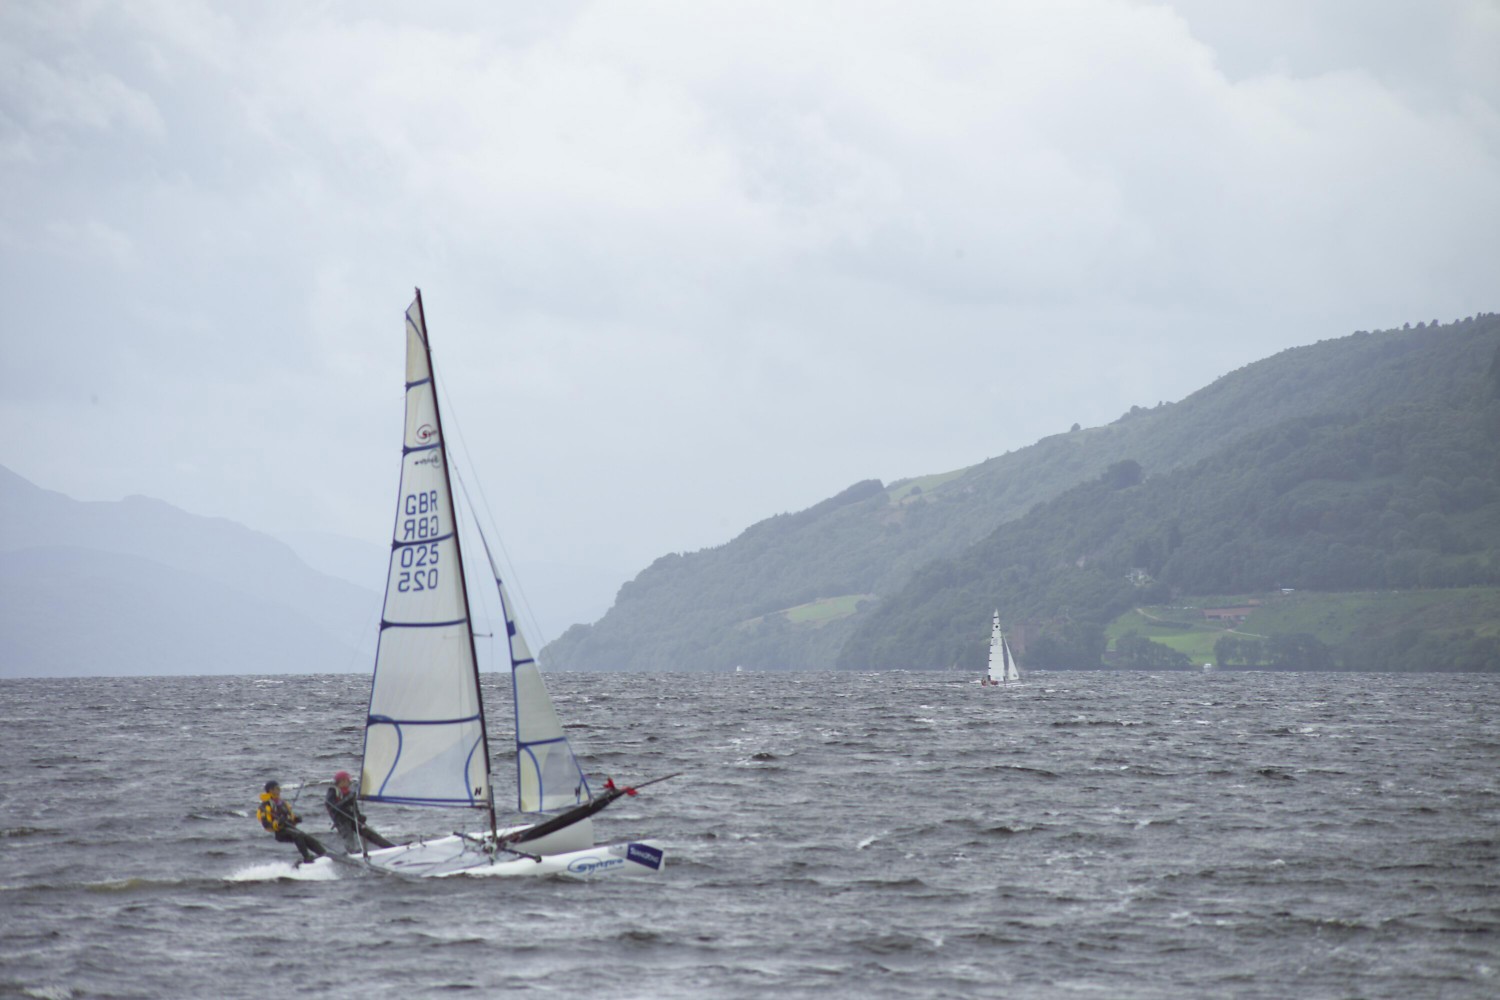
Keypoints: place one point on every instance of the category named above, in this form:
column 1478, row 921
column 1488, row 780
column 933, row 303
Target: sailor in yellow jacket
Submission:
column 277, row 817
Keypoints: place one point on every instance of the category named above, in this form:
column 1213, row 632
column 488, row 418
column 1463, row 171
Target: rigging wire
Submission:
column 513, row 584
column 532, row 626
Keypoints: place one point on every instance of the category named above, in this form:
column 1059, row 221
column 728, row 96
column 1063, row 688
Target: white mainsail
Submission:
column 425, row 737
column 1002, row 665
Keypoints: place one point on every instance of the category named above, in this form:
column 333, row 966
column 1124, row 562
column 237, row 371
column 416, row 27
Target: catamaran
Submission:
column 426, row 739
column 1002, row 666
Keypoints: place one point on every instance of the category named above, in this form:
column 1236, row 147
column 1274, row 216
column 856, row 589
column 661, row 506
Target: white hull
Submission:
column 465, row 855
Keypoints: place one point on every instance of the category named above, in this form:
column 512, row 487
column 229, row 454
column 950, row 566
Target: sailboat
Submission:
column 426, row 736
column 1002, row 666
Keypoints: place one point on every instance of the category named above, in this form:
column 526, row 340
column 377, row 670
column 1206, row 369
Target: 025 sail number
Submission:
column 419, row 562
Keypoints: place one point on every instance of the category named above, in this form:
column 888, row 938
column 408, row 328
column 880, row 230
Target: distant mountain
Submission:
column 140, row 587
column 352, row 560
column 834, row 583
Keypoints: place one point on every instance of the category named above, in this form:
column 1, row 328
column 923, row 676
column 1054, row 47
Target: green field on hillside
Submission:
column 819, row 612
column 826, row 609
column 1173, row 627
column 907, row 488
column 1335, row 619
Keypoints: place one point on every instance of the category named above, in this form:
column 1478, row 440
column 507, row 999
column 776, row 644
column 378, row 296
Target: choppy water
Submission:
column 889, row 835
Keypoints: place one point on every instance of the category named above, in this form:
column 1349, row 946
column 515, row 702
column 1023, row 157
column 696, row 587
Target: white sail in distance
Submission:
column 1002, row 665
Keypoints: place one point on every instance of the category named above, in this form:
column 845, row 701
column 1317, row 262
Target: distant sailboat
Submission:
column 426, row 741
column 1002, row 665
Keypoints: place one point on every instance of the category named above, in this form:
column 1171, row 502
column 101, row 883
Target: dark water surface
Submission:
column 887, row 835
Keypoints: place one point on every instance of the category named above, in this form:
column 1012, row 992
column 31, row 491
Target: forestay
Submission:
column 425, row 737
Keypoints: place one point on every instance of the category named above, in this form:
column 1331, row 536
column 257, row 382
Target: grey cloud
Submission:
column 687, row 268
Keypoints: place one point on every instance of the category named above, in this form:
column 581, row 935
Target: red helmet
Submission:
column 341, row 776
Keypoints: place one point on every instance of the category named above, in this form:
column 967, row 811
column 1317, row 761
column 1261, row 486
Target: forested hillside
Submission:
column 878, row 575
column 1394, row 496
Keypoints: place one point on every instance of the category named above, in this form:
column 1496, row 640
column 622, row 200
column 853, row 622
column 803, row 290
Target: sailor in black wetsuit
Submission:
column 343, row 808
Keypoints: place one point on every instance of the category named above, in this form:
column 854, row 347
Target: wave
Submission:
column 1084, row 723
column 321, row 870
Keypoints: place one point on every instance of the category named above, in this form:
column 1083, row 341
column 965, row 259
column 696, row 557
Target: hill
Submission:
column 140, row 587
column 1401, row 494
column 836, row 582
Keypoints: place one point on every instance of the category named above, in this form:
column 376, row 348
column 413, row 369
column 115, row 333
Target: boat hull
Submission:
column 442, row 857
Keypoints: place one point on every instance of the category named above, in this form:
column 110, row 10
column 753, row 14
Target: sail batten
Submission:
column 390, row 624
column 407, row 543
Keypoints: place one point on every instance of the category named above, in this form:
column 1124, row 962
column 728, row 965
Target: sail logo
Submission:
column 426, row 433
column 588, row 866
column 644, row 854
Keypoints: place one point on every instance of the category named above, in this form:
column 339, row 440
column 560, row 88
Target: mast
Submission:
column 996, row 647
column 463, row 583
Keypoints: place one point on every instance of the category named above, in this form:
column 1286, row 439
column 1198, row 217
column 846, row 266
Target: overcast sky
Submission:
column 688, row 265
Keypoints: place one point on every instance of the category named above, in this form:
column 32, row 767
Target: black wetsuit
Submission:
column 343, row 809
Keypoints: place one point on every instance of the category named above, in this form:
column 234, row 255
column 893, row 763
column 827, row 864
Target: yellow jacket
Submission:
column 274, row 814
